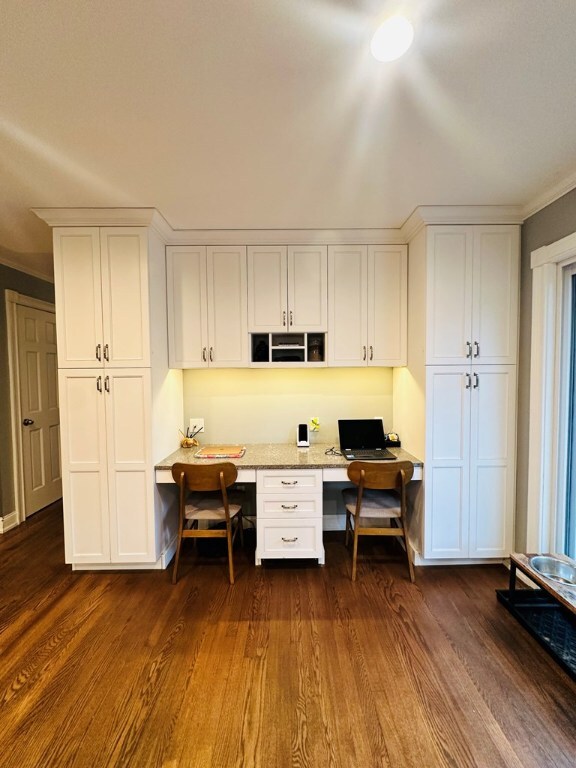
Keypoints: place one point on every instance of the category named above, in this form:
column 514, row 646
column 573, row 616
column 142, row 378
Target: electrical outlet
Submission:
column 196, row 425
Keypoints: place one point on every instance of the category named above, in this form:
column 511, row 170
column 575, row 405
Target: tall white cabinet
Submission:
column 457, row 397
column 119, row 403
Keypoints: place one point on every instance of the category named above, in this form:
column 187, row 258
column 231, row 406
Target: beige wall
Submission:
column 548, row 225
column 262, row 405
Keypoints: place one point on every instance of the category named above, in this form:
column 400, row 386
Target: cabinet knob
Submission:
column 28, row 422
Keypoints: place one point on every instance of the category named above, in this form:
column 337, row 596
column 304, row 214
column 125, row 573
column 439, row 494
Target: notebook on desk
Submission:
column 220, row 452
column 363, row 440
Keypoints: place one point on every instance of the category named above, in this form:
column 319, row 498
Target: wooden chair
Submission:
column 204, row 497
column 377, row 507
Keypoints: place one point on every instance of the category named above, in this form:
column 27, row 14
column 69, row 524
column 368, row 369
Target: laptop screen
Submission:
column 361, row 434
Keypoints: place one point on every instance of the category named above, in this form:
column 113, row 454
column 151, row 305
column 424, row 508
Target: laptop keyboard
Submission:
column 370, row 455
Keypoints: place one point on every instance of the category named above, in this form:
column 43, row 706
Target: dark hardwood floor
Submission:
column 293, row 666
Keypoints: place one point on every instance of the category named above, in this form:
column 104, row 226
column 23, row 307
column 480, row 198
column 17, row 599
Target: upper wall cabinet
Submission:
column 473, row 279
column 207, row 306
column 367, row 288
column 101, row 288
column 287, row 288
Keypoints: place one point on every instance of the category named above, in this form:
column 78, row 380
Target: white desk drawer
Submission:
column 299, row 538
column 287, row 507
column 289, row 480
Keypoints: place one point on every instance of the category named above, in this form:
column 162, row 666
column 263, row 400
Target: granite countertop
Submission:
column 274, row 455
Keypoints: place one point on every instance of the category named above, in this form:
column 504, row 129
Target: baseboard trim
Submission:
column 9, row 521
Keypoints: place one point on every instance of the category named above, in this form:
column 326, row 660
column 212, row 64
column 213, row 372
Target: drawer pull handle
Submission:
column 289, row 506
column 290, row 541
column 289, row 482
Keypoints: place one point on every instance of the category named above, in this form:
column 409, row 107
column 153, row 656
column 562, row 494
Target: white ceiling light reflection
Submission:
column 392, row 39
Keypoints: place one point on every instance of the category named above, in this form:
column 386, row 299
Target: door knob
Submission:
column 28, row 422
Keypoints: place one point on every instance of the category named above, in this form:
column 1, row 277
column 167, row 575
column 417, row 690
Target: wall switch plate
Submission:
column 196, row 425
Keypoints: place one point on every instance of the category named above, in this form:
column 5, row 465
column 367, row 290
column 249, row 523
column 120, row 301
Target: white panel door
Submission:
column 125, row 302
column 39, row 412
column 227, row 307
column 495, row 294
column 447, row 462
column 449, row 306
column 347, row 305
column 308, row 288
column 84, row 470
column 267, row 289
column 492, row 460
column 187, row 306
column 78, row 292
column 387, row 305
column 130, row 473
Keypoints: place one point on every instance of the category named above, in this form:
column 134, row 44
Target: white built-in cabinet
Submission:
column 470, row 461
column 207, row 306
column 458, row 398
column 110, row 289
column 101, row 288
column 473, row 295
column 367, row 299
column 108, row 477
column 287, row 288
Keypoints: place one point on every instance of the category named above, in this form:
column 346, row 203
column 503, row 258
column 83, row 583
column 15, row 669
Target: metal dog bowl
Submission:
column 553, row 568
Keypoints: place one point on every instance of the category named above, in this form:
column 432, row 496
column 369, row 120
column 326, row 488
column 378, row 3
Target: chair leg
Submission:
column 406, row 547
column 230, row 560
column 176, row 560
column 355, row 550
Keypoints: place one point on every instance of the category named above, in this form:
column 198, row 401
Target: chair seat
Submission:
column 375, row 504
column 208, row 507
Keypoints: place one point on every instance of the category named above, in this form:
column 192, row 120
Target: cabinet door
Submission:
column 447, row 461
column 308, row 288
column 130, row 471
column 227, row 307
column 267, row 288
column 495, row 294
column 84, row 470
column 449, row 292
column 77, row 287
column 125, row 310
column 492, row 460
column 387, row 304
column 187, row 307
column 347, row 305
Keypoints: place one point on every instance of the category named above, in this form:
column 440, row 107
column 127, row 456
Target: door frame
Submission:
column 13, row 300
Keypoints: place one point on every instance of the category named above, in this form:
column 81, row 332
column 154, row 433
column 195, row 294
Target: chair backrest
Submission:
column 376, row 475
column 205, row 477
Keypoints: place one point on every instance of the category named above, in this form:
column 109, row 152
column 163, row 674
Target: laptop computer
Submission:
column 363, row 440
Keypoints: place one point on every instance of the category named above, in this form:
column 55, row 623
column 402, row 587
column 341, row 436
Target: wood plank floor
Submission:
column 294, row 666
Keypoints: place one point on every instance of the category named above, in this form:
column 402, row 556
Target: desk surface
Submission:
column 278, row 456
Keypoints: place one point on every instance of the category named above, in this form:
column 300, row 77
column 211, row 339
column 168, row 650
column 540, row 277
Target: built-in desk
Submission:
column 289, row 484
column 278, row 456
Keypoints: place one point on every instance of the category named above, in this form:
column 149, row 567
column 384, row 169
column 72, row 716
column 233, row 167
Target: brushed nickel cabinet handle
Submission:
column 476, row 381
column 211, row 355
column 468, row 349
column 290, row 541
column 284, row 319
column 99, row 352
column 203, row 354
column 371, row 352
column 289, row 482
column 363, row 353
column 468, row 381
column 107, row 383
column 106, row 355
column 477, row 349
column 99, row 383
column 289, row 506
column 291, row 318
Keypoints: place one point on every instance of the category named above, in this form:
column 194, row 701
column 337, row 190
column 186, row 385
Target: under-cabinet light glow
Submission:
column 392, row 39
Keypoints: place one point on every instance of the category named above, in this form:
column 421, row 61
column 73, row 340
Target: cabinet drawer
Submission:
column 289, row 481
column 287, row 506
column 299, row 538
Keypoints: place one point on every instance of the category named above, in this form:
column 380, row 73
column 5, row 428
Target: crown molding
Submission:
column 19, row 266
column 426, row 215
column 105, row 217
column 286, row 237
column 549, row 196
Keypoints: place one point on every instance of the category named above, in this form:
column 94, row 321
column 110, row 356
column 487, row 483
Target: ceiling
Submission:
column 258, row 114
